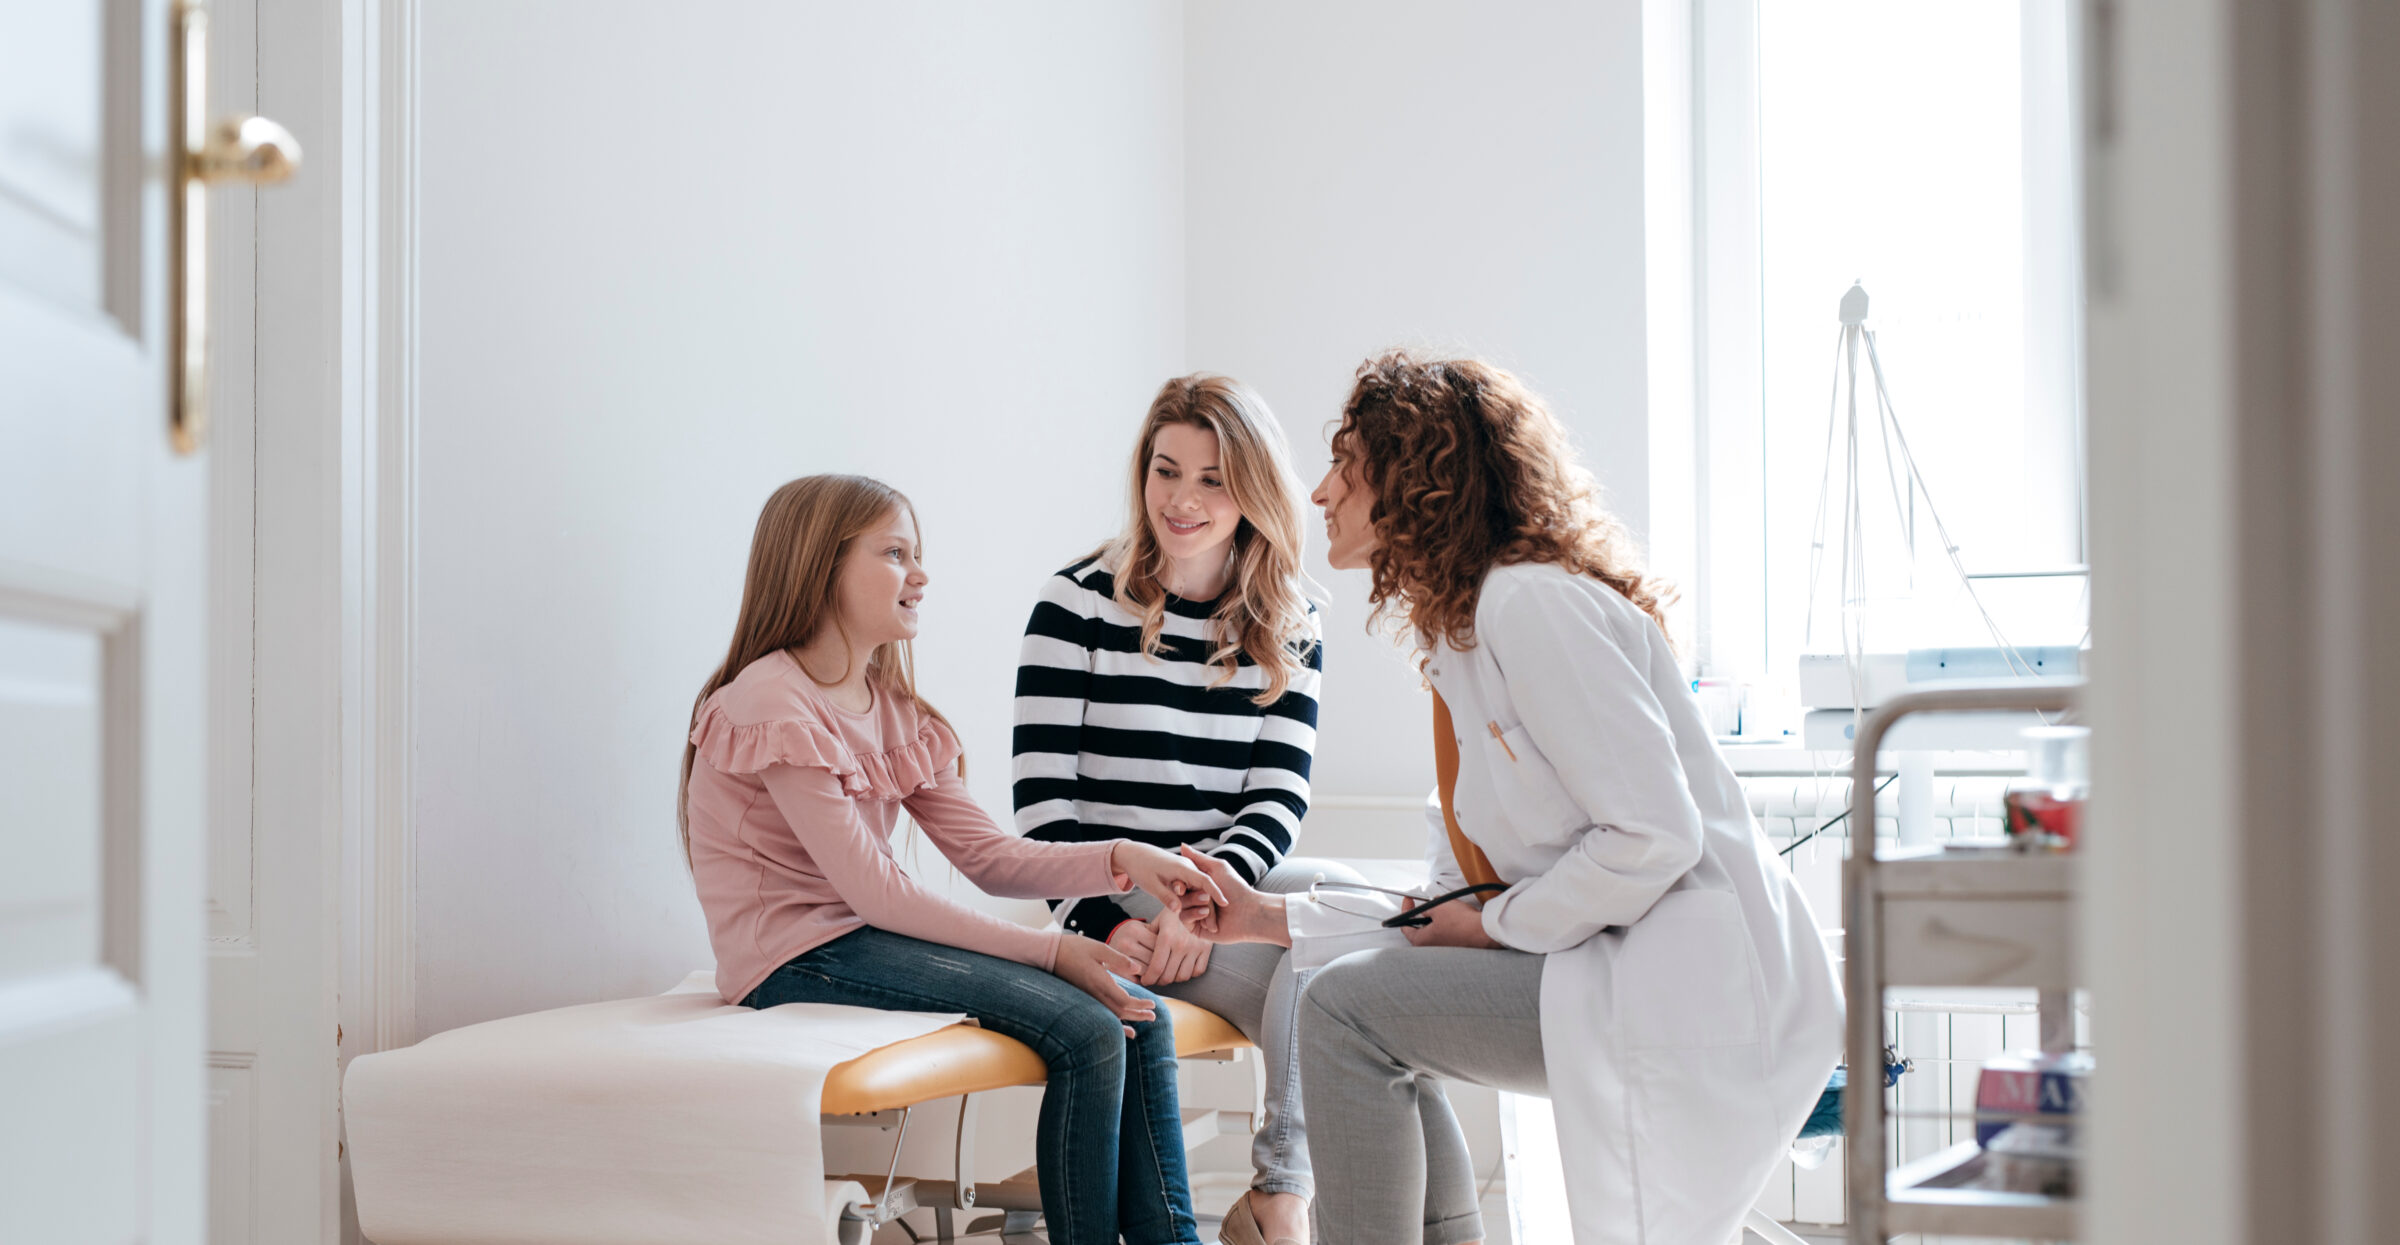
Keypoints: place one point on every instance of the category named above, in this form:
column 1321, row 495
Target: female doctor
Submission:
column 1642, row 957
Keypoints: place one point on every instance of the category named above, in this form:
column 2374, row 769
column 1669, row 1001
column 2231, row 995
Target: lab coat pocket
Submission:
column 1686, row 976
column 1529, row 793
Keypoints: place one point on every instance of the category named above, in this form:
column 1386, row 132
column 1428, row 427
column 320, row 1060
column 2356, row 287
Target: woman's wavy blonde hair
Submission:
column 793, row 588
column 1263, row 613
column 1470, row 470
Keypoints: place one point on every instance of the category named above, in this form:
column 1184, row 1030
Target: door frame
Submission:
column 331, row 585
column 378, row 521
column 379, row 549
column 2241, row 170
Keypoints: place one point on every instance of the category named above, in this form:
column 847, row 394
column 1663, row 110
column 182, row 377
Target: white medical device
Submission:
column 1856, row 678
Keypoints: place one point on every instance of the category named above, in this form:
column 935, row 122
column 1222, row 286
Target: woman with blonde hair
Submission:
column 1167, row 694
column 805, row 746
column 1605, row 924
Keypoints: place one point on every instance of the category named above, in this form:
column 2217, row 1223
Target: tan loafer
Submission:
column 1241, row 1227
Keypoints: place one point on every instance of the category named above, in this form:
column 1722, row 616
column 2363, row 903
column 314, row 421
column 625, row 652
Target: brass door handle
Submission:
column 247, row 149
column 251, row 150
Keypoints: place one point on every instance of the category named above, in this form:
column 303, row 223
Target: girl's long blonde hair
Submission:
column 793, row 589
column 1263, row 613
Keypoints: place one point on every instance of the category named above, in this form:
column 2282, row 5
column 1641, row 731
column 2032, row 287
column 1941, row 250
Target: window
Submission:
column 1926, row 151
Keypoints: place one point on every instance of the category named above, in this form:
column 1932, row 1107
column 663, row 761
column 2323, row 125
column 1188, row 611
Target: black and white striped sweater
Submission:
column 1112, row 744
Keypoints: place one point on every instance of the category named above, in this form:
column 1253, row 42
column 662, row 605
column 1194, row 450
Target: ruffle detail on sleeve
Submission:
column 734, row 749
column 913, row 766
column 892, row 775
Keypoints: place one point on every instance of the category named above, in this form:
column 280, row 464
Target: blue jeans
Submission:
column 1110, row 1143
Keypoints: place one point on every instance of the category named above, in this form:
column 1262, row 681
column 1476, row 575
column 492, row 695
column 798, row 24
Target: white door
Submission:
column 103, row 681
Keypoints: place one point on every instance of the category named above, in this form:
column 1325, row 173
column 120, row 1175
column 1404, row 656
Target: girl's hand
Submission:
column 1167, row 878
column 1177, row 954
column 1458, row 923
column 1086, row 965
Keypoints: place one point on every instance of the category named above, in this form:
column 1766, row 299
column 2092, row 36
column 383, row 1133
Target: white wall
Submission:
column 1370, row 173
column 670, row 260
column 667, row 264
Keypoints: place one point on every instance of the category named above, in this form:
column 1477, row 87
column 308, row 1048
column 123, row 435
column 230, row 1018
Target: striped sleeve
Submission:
column 1276, row 788
column 1053, row 679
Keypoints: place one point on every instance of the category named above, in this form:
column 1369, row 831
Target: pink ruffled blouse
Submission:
column 791, row 807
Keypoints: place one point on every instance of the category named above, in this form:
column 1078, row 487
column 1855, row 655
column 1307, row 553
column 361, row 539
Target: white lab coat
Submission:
column 1690, row 1011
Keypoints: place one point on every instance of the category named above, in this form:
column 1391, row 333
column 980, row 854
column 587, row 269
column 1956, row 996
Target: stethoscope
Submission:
column 1410, row 919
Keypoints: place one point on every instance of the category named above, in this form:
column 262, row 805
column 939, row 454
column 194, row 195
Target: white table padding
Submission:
column 654, row 1121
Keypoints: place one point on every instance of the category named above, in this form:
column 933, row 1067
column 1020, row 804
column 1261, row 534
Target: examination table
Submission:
column 680, row 1118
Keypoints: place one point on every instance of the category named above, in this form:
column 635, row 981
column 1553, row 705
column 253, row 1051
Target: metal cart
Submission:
column 1947, row 916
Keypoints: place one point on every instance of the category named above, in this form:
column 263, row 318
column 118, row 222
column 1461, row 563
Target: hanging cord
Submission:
column 1891, row 421
column 1838, row 818
column 1816, row 537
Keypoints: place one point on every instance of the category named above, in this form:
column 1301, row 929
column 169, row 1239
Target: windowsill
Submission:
column 1786, row 756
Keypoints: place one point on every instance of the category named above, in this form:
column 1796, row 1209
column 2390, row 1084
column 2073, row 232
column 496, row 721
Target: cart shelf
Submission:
column 1926, row 1196
column 1976, row 917
column 1950, row 915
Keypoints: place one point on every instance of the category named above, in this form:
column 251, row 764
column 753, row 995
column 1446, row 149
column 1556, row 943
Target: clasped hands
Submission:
column 1205, row 902
column 1245, row 914
column 1094, row 967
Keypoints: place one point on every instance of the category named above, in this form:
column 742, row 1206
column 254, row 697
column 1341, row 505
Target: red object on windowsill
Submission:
column 2043, row 820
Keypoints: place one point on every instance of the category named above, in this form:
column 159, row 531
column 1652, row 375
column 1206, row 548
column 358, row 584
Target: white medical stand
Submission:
column 1947, row 916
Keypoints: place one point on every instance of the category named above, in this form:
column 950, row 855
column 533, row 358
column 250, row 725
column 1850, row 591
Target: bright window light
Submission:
column 1917, row 149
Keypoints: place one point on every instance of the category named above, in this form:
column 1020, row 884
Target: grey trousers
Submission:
column 1252, row 984
column 1379, row 1032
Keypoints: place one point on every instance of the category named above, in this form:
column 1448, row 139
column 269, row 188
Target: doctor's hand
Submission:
column 1088, row 965
column 1458, row 923
column 1241, row 914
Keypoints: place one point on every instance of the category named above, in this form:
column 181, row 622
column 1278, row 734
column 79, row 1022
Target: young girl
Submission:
column 1167, row 694
column 809, row 741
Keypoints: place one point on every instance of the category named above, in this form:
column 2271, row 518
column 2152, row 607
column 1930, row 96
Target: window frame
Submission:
column 1703, row 244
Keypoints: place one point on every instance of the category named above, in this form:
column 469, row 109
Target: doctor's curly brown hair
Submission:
column 1469, row 471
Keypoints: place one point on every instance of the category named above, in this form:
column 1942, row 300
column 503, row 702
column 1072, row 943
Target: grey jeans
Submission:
column 1379, row 1032
column 1252, row 984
